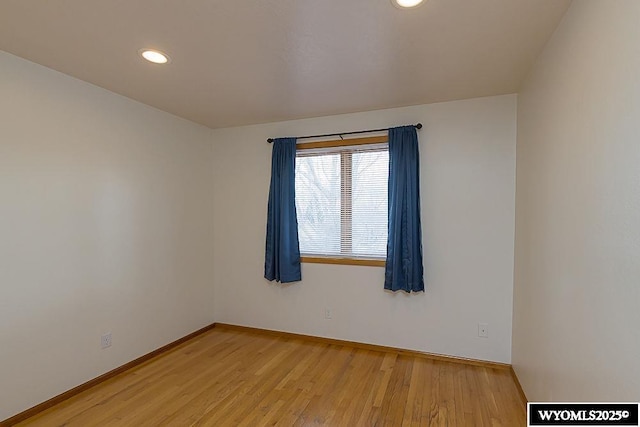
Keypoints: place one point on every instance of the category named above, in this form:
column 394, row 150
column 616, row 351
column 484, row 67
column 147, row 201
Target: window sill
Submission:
column 344, row 261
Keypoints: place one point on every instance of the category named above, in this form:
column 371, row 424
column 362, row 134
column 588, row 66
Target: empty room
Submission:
column 303, row 212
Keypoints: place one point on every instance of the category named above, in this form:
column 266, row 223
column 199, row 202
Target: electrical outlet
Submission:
column 483, row 330
column 105, row 340
column 328, row 313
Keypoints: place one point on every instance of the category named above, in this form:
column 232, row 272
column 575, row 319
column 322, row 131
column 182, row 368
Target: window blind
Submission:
column 341, row 201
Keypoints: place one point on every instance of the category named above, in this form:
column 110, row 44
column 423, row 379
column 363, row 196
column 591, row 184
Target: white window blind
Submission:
column 341, row 201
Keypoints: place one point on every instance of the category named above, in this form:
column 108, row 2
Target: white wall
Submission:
column 468, row 201
column 105, row 225
column 576, row 332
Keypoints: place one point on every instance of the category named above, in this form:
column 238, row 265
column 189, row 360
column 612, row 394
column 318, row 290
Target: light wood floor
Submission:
column 237, row 378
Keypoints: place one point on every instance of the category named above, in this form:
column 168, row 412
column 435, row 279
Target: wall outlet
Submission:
column 483, row 330
column 328, row 313
column 105, row 340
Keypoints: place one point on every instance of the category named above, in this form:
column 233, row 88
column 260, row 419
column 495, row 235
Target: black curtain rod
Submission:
column 417, row 126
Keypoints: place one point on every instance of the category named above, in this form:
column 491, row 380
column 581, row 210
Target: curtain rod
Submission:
column 417, row 126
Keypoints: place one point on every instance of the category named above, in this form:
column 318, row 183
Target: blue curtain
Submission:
column 282, row 254
column 404, row 269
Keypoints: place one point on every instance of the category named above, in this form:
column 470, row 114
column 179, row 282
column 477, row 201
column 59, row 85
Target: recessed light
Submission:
column 406, row 4
column 154, row 56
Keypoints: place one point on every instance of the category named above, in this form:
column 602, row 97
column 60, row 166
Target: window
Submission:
column 341, row 201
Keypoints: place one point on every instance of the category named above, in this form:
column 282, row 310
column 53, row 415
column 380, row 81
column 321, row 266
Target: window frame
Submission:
column 346, row 260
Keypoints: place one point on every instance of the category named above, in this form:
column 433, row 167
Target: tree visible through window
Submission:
column 341, row 201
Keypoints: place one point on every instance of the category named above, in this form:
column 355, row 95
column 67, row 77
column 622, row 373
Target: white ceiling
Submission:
column 241, row 62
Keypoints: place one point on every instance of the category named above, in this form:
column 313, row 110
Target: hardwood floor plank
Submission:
column 231, row 377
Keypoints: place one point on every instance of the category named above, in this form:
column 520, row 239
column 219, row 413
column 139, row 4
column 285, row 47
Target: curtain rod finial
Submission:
column 269, row 140
column 419, row 126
